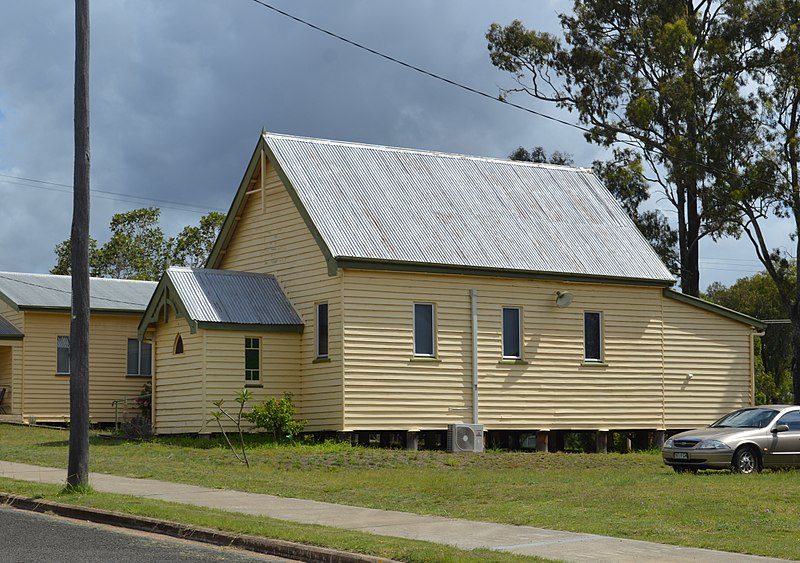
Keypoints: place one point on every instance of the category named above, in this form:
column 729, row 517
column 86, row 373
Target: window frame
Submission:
column 252, row 375
column 503, row 310
column 600, row 336
column 59, row 366
column 140, row 344
column 318, row 330
column 433, row 327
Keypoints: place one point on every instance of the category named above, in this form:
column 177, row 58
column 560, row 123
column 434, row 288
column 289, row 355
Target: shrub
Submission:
column 277, row 416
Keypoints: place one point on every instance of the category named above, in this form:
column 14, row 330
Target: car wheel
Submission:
column 746, row 461
column 684, row 469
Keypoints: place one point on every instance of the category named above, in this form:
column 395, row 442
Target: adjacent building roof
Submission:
column 9, row 331
column 384, row 207
column 45, row 291
column 714, row 308
column 223, row 299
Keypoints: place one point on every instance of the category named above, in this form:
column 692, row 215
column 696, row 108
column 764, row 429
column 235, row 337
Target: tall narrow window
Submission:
column 424, row 329
column 592, row 336
column 62, row 355
column 179, row 344
column 139, row 357
column 252, row 359
column 512, row 333
column 322, row 330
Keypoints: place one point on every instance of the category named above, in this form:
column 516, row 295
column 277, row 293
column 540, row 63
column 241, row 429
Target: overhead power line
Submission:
column 67, row 188
column 486, row 95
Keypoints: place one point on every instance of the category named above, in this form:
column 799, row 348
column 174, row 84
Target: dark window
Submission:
column 139, row 357
column 592, row 336
column 62, row 355
column 511, row 333
column 423, row 329
column 252, row 359
column 179, row 345
column 322, row 330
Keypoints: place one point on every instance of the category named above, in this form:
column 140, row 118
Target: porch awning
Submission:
column 9, row 331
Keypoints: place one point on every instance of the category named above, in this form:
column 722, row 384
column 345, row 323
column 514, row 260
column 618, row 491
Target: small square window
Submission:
column 424, row 330
column 593, row 336
column 512, row 333
column 252, row 359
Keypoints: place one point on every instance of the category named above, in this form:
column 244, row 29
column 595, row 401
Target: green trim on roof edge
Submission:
column 714, row 308
column 236, row 206
column 422, row 267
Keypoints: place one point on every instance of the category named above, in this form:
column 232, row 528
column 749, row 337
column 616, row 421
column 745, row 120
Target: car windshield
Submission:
column 746, row 418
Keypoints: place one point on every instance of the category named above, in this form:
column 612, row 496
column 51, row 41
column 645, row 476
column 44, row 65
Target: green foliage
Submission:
column 242, row 398
column 144, row 400
column 138, row 249
column 538, row 154
column 758, row 297
column 277, row 416
column 664, row 77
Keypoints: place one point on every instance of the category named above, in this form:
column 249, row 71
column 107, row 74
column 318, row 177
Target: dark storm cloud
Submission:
column 181, row 89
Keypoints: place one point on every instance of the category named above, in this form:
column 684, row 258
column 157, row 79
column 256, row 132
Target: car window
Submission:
column 746, row 418
column 791, row 419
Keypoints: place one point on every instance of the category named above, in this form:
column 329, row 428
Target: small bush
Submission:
column 277, row 416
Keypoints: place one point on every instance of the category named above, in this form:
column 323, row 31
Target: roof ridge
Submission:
column 431, row 152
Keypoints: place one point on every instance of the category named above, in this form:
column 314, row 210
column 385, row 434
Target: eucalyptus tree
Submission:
column 653, row 75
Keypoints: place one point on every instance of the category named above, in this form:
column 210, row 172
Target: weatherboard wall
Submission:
column 707, row 364
column 387, row 388
column 178, row 398
column 271, row 237
column 44, row 394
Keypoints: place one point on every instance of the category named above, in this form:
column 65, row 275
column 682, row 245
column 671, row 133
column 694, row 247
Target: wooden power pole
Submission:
column 78, row 467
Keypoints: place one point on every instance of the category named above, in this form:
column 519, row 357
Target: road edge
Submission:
column 265, row 546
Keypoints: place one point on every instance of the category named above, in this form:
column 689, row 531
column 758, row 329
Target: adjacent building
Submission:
column 34, row 345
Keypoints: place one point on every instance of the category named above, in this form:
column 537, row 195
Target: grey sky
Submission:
column 181, row 89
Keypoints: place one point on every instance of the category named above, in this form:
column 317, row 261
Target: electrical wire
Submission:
column 66, row 188
column 489, row 96
column 69, row 292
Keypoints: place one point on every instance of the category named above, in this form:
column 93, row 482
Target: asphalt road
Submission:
column 29, row 537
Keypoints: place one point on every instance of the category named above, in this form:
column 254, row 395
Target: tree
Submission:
column 624, row 178
column 138, row 249
column 78, row 456
column 652, row 74
column 766, row 169
column 758, row 297
column 194, row 244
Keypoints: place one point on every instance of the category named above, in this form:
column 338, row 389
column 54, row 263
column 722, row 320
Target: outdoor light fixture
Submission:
column 563, row 298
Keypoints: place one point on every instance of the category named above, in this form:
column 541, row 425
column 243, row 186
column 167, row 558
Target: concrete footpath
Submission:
column 464, row 534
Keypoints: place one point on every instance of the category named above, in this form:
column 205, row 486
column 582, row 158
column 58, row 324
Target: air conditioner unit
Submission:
column 465, row 438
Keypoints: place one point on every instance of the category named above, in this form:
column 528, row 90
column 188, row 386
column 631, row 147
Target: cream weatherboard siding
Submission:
column 278, row 242
column 225, row 368
column 44, row 395
column 385, row 387
column 717, row 353
column 178, row 380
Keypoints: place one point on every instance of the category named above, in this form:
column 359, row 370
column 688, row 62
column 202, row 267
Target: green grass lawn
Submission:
column 624, row 495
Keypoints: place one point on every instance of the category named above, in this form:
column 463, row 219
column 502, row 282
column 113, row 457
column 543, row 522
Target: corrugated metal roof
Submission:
column 223, row 296
column 55, row 292
column 372, row 202
column 7, row 330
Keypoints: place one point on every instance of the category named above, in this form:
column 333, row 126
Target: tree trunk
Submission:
column 688, row 237
column 795, row 357
column 691, row 283
column 78, row 465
